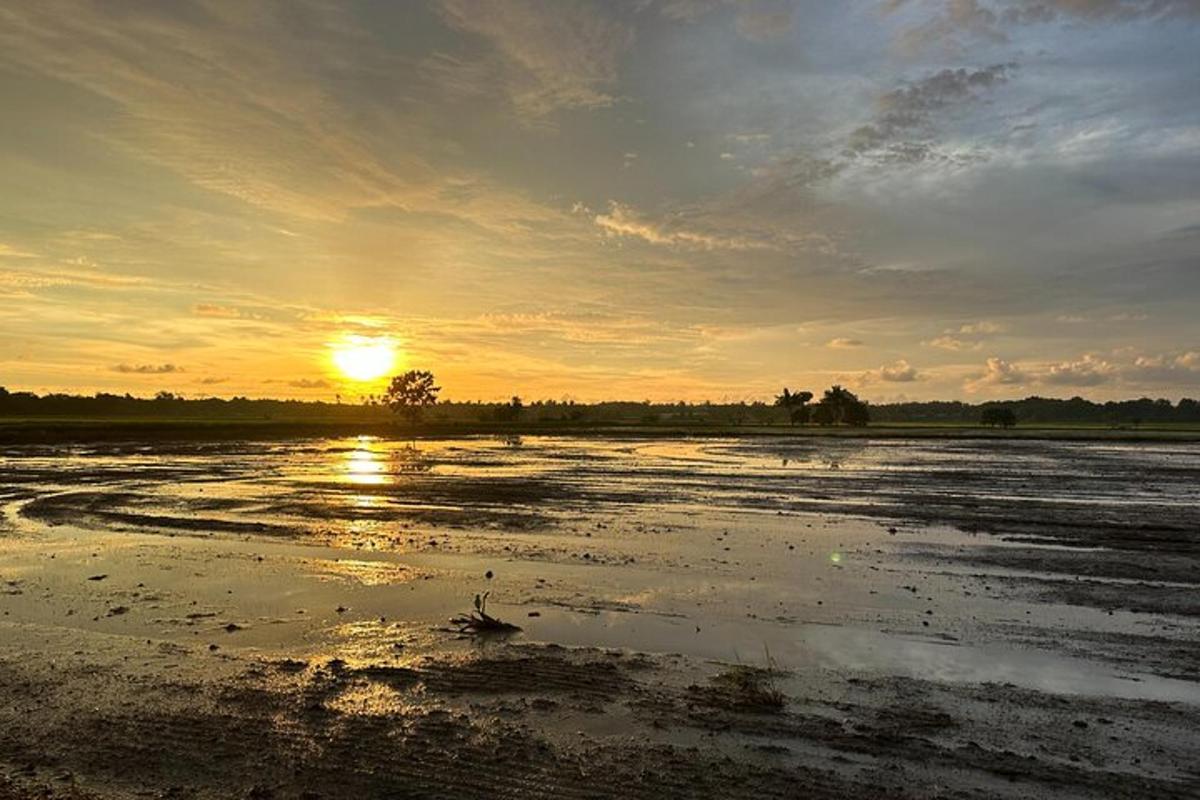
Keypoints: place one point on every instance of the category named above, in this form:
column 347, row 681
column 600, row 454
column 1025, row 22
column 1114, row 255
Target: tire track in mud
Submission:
column 276, row 730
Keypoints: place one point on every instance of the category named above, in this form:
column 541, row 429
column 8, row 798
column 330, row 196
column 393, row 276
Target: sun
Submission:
column 363, row 358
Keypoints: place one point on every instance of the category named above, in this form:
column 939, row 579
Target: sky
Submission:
column 655, row 199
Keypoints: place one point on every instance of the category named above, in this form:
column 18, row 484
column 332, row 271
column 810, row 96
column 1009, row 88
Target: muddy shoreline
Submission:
column 714, row 618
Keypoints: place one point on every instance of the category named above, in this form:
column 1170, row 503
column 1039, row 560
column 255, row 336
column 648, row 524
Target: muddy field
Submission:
column 761, row 617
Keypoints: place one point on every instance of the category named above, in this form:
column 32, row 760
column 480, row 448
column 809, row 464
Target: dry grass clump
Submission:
column 749, row 688
column 744, row 688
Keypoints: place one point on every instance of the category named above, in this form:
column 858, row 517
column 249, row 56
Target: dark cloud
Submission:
column 914, row 108
column 147, row 369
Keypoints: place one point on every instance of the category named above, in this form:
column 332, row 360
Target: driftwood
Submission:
column 480, row 622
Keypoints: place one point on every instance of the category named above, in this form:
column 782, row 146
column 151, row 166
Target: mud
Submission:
column 701, row 618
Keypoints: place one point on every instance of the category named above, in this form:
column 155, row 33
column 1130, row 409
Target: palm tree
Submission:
column 795, row 405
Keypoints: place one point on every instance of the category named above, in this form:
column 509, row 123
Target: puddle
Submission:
column 856, row 652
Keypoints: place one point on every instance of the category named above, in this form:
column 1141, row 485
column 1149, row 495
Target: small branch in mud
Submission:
column 479, row 622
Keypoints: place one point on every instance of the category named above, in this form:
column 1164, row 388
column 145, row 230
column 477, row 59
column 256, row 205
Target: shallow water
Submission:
column 714, row 548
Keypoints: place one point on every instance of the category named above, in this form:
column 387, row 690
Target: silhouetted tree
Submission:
column 841, row 407
column 795, row 404
column 998, row 416
column 411, row 393
column 510, row 411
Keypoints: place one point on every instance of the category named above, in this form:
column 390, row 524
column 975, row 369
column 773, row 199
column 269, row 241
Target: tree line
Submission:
column 836, row 406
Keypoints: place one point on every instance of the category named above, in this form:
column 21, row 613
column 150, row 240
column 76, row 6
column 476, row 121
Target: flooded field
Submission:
column 700, row 617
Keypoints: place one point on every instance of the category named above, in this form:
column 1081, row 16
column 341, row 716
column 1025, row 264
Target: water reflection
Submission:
column 364, row 466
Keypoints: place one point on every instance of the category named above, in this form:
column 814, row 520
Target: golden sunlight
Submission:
column 364, row 358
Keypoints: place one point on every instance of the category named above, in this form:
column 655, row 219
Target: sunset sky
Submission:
column 681, row 199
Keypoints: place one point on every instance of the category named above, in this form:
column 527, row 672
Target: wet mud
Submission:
column 700, row 618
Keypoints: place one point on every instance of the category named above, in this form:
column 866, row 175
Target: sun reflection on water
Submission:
column 364, row 465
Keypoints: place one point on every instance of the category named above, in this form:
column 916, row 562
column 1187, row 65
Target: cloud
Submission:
column 1178, row 369
column 622, row 221
column 212, row 380
column 217, row 311
column 309, row 383
column 898, row 372
column 954, row 21
column 147, row 369
column 956, row 17
column 1042, row 11
column 902, row 112
column 1091, row 370
column 243, row 160
column 558, row 54
column 983, row 328
column 997, row 372
column 688, row 10
column 952, row 338
column 8, row 251
column 765, row 24
column 952, row 343
column 1181, row 368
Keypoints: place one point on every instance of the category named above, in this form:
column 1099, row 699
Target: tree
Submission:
column 411, row 393
column 510, row 411
column 795, row 404
column 856, row 413
column 841, row 407
column 998, row 416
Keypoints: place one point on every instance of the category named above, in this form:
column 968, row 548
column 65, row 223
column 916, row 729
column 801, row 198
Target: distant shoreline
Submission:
column 74, row 430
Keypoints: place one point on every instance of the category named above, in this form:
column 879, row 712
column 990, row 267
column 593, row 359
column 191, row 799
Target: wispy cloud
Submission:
column 621, row 221
column 546, row 56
